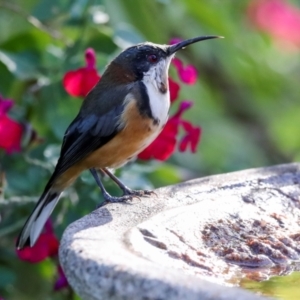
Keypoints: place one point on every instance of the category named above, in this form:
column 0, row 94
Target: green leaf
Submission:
column 6, row 80
column 164, row 174
column 22, row 65
column 101, row 39
column 49, row 9
column 7, row 277
column 31, row 39
column 125, row 36
column 77, row 9
column 13, row 23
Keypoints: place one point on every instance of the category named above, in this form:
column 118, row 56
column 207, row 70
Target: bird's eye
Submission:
column 152, row 58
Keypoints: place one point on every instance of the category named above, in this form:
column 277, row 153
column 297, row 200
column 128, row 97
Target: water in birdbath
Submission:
column 278, row 287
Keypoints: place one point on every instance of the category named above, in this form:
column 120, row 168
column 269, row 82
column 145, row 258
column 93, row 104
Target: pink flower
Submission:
column 187, row 74
column 164, row 145
column 79, row 82
column 5, row 105
column 10, row 134
column 177, row 63
column 175, row 40
column 278, row 18
column 46, row 246
column 62, row 281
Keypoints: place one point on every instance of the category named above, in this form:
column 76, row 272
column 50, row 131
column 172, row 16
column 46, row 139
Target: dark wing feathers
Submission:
column 85, row 135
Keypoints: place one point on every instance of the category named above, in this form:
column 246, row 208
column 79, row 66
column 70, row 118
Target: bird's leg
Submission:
column 107, row 197
column 126, row 190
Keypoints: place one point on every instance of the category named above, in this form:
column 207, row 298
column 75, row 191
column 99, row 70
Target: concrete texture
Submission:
column 191, row 241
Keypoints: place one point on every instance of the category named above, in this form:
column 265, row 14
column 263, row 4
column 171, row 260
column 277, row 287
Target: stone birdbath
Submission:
column 194, row 240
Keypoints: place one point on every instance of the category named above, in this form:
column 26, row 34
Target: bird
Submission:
column 118, row 119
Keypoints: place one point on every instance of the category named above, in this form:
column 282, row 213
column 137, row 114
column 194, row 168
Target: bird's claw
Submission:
column 111, row 199
column 128, row 195
column 137, row 193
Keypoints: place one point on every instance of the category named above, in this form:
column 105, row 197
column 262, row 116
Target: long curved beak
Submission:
column 173, row 48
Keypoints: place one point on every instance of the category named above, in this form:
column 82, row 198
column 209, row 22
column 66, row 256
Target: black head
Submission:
column 139, row 59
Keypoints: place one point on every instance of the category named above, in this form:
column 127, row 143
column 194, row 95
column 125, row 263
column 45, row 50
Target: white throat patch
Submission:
column 153, row 80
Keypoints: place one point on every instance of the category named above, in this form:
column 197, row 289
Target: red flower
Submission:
column 62, row 281
column 164, row 145
column 174, row 88
column 78, row 83
column 46, row 246
column 10, row 134
column 188, row 74
column 277, row 18
column 191, row 138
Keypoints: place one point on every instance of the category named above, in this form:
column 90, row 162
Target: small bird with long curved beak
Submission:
column 119, row 118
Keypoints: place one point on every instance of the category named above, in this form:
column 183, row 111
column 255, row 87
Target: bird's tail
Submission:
column 35, row 223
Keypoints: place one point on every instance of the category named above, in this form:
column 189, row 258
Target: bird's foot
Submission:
column 126, row 190
column 137, row 193
column 128, row 195
column 112, row 199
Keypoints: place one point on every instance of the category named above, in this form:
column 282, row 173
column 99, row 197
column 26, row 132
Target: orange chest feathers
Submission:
column 137, row 133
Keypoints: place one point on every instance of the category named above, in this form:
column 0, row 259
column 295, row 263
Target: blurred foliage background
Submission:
column 246, row 102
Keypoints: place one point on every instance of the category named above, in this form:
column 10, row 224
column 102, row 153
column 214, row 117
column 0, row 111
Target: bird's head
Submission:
column 148, row 61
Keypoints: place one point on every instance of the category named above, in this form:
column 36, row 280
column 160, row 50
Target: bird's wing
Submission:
column 87, row 133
